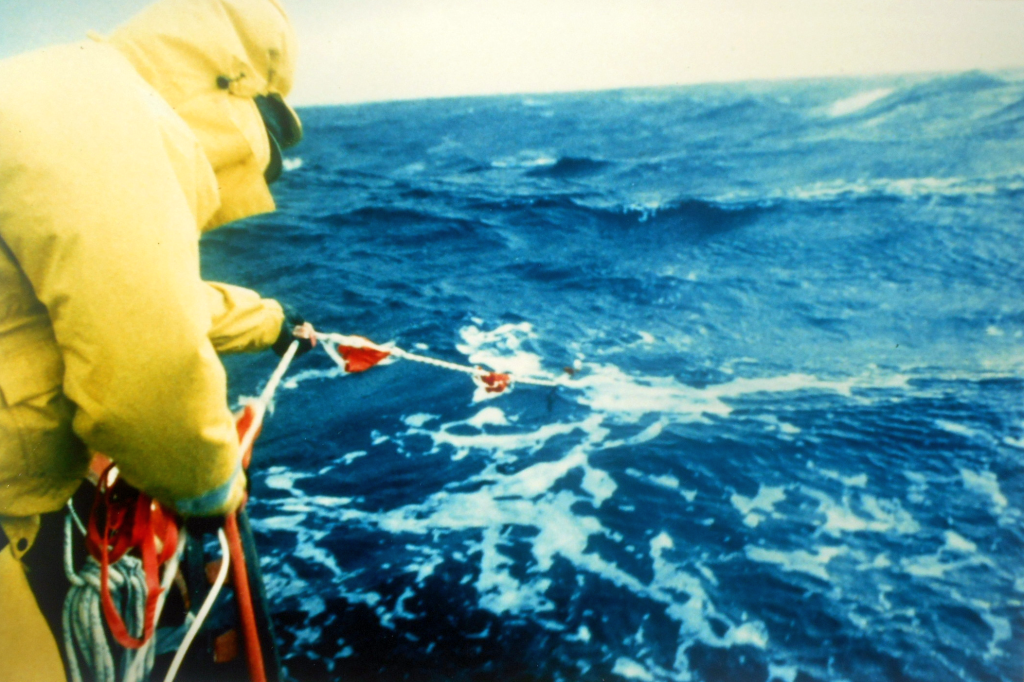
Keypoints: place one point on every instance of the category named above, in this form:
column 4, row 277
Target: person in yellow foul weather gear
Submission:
column 116, row 155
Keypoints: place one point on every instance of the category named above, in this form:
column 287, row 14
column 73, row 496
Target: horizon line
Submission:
column 929, row 73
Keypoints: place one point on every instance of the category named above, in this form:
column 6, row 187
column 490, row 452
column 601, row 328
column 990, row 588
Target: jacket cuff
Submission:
column 220, row 500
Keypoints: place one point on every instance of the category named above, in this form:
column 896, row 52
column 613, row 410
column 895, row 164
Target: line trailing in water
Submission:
column 357, row 354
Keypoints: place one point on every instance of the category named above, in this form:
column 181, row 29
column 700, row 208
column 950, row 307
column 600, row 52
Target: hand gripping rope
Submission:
column 356, row 354
column 145, row 523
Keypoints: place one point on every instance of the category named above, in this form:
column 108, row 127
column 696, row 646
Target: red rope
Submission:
column 240, row 576
column 239, row 572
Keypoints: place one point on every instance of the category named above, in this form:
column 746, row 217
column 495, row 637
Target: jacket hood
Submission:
column 208, row 59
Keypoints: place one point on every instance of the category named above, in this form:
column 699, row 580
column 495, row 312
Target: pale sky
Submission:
column 368, row 50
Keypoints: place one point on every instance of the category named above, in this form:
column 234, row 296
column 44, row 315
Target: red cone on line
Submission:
column 494, row 382
column 361, row 359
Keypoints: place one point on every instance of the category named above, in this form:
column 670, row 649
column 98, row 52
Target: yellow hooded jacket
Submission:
column 115, row 155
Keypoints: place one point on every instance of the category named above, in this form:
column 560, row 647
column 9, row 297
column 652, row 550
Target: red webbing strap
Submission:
column 239, row 572
column 240, row 578
column 130, row 520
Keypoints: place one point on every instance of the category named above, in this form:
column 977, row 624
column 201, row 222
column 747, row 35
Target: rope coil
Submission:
column 85, row 634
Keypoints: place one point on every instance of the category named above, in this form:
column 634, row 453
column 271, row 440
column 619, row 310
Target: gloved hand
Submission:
column 294, row 328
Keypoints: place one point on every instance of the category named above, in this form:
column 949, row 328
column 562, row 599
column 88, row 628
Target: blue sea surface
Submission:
column 788, row 321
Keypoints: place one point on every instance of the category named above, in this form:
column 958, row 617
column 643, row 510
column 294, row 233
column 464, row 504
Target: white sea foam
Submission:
column 582, row 635
column 288, row 522
column 957, row 552
column 544, row 498
column 610, row 390
column 985, row 483
column 630, row 669
column 501, row 349
column 1014, row 442
column 290, row 164
column 932, row 565
column 648, row 434
column 627, row 398
column 663, row 481
column 667, row 481
column 495, row 502
column 882, row 516
column 501, row 445
column 780, row 384
column 282, row 478
column 525, row 159
column 752, row 507
column 900, row 188
column 489, row 416
column 353, row 456
column 1001, row 632
column 857, row 102
column 958, row 429
column 957, row 543
column 858, row 481
column 783, row 673
column 799, row 561
column 419, row 419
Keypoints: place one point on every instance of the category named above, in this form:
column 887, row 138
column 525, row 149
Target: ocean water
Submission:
column 788, row 319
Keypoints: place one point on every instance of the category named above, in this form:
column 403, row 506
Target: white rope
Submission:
column 261, row 404
column 207, row 605
column 78, row 521
column 84, row 633
column 476, row 372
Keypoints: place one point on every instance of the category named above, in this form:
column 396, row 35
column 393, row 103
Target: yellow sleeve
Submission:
column 241, row 320
column 92, row 211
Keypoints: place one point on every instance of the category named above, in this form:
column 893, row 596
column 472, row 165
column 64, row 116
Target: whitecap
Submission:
column 488, row 416
column 857, row 102
column 957, row 543
column 419, row 419
column 353, row 456
column 799, row 561
column 783, row 673
column 1001, row 632
column 857, row 481
column 958, row 429
column 751, row 507
column 280, row 478
column 883, row 516
column 630, row 669
column 985, row 483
